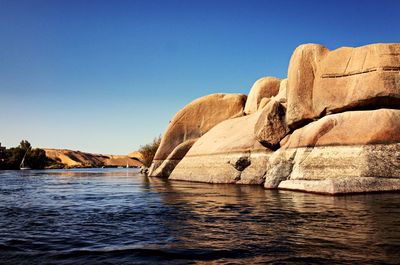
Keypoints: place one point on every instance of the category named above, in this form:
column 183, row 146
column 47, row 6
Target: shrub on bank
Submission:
column 149, row 150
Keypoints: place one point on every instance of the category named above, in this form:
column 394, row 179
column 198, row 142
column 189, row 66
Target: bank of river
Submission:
column 116, row 216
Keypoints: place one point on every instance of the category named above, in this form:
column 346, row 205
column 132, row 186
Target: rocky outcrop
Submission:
column 168, row 165
column 333, row 127
column 338, row 148
column 380, row 126
column 336, row 169
column 265, row 87
column 228, row 153
column 77, row 159
column 195, row 120
column 322, row 82
column 271, row 127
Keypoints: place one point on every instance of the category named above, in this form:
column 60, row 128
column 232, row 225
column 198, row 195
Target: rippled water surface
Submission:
column 111, row 216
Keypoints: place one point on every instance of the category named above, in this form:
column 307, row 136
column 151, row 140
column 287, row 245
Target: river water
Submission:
column 116, row 216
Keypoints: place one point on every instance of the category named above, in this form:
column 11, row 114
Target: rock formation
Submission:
column 342, row 147
column 192, row 122
column 226, row 154
column 333, row 126
column 265, row 87
column 322, row 82
column 168, row 164
column 271, row 128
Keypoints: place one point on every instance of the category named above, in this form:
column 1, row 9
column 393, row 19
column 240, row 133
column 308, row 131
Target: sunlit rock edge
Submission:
column 333, row 126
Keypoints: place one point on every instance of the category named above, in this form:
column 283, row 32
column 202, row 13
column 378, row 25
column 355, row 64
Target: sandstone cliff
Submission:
column 333, row 126
column 78, row 159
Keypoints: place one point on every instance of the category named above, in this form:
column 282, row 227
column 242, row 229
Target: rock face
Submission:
column 281, row 97
column 196, row 119
column 338, row 169
column 265, row 87
column 270, row 127
column 228, row 153
column 168, row 165
column 333, row 127
column 321, row 82
column 380, row 126
column 338, row 148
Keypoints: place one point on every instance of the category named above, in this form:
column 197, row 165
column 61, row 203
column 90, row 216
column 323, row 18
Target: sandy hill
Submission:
column 72, row 158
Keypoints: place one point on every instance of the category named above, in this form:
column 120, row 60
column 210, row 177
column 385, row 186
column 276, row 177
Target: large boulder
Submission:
column 228, row 153
column 349, row 128
column 195, row 119
column 322, row 82
column 338, row 152
column 300, row 83
column 265, row 87
column 271, row 127
column 280, row 97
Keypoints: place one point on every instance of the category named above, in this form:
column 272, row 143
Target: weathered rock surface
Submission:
column 271, row 127
column 281, row 96
column 168, row 165
column 349, row 128
column 360, row 144
column 300, row 83
column 265, row 87
column 196, row 119
column 343, row 169
column 343, row 186
column 228, row 153
column 321, row 82
column 333, row 126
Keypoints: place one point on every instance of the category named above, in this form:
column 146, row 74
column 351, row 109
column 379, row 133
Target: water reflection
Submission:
column 343, row 228
column 118, row 216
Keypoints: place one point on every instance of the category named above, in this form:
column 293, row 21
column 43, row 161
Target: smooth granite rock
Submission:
column 349, row 128
column 196, row 119
column 228, row 153
column 321, row 82
column 265, row 87
column 359, row 144
column 168, row 165
column 332, row 127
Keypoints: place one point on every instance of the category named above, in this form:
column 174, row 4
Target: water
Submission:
column 115, row 216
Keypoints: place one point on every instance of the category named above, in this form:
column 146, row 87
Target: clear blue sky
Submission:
column 107, row 76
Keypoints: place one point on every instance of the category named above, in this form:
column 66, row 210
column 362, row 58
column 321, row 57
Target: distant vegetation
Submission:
column 149, row 150
column 35, row 158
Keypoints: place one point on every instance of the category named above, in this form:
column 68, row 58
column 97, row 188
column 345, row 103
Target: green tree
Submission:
column 149, row 150
column 25, row 145
column 37, row 159
column 14, row 157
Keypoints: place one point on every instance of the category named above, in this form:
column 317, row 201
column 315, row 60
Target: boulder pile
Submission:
column 333, row 126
